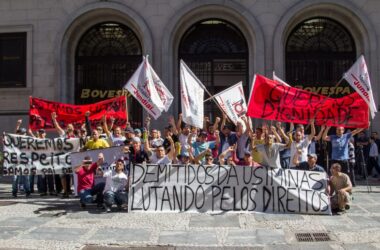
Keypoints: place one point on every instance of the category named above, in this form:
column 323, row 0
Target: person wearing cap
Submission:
column 136, row 152
column 309, row 165
column 45, row 182
column 86, row 188
column 202, row 144
column 184, row 158
column 115, row 186
column 129, row 135
column 137, row 132
column 247, row 160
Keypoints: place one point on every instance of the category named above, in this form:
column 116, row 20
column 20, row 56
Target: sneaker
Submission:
column 65, row 195
column 27, row 195
column 341, row 212
column 108, row 210
column 14, row 195
column 82, row 205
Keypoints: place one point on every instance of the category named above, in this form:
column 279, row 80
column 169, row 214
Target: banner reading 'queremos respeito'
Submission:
column 24, row 155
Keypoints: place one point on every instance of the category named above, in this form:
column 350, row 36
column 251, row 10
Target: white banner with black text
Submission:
column 25, row 155
column 216, row 189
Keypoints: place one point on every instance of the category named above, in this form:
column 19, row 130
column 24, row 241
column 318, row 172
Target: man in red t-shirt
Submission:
column 86, row 187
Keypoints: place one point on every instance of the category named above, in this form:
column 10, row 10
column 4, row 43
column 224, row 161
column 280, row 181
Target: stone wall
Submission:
column 55, row 26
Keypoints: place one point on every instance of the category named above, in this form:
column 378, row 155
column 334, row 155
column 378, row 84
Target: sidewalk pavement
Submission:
column 55, row 223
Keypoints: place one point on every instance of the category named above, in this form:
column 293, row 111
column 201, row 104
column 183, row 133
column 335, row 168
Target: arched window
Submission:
column 217, row 52
column 318, row 52
column 106, row 57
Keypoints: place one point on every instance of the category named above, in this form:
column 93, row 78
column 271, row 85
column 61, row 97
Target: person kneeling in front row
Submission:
column 340, row 189
column 86, row 187
column 116, row 186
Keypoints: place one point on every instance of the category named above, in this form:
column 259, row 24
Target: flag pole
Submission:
column 208, row 99
column 204, row 88
column 212, row 97
column 126, row 107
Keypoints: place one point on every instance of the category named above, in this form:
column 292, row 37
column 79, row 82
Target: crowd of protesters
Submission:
column 274, row 145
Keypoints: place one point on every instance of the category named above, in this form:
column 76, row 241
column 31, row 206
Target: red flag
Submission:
column 40, row 112
column 272, row 100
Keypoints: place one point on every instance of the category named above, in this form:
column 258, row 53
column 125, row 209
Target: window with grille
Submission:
column 106, row 57
column 318, row 52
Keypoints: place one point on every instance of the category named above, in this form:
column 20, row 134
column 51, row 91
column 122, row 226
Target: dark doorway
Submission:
column 106, row 57
column 217, row 52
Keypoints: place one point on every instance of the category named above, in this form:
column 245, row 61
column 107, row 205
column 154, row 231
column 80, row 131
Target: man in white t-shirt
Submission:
column 156, row 139
column 159, row 157
column 300, row 145
column 116, row 138
column 183, row 136
column 115, row 187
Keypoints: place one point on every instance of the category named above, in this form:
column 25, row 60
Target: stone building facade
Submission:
column 56, row 36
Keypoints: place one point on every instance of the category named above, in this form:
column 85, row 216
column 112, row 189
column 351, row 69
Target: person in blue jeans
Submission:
column 20, row 179
column 86, row 187
column 115, row 187
column 339, row 147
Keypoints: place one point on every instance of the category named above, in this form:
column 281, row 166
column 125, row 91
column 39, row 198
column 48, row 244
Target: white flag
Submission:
column 232, row 101
column 164, row 94
column 357, row 76
column 141, row 86
column 192, row 93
